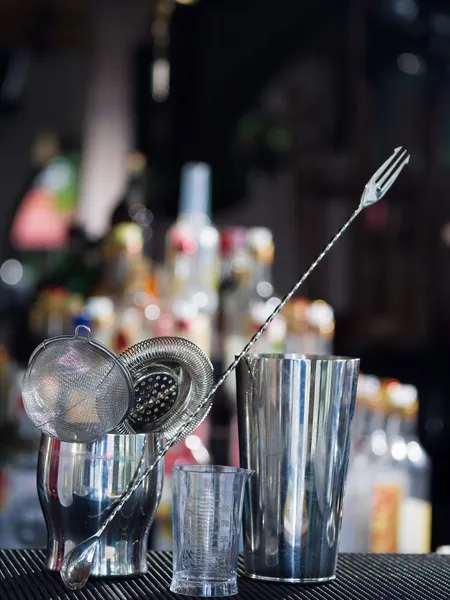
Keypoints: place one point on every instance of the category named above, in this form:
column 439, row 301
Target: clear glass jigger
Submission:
column 207, row 509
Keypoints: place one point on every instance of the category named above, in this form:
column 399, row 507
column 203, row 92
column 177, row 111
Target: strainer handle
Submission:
column 85, row 328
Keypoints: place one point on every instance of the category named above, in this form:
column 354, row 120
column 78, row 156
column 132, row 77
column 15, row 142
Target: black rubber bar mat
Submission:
column 359, row 577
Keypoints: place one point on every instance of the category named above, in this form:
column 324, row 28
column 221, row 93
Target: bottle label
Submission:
column 385, row 518
column 415, row 527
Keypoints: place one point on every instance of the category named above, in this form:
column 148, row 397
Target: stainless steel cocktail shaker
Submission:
column 294, row 416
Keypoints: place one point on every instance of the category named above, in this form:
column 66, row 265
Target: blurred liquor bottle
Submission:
column 262, row 297
column 416, row 505
column 229, row 333
column 401, row 479
column 132, row 207
column 236, row 279
column 192, row 260
column 310, row 327
column 124, row 305
column 368, row 421
column 53, row 311
column 126, row 295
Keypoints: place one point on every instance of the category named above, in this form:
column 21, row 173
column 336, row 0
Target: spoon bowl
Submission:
column 77, row 564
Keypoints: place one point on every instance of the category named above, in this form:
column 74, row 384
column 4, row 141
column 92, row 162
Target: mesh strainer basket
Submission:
column 75, row 389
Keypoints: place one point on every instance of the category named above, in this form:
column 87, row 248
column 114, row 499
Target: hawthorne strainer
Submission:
column 75, row 389
column 156, row 390
column 171, row 376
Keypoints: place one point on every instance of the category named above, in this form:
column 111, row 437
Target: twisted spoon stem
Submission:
column 134, row 485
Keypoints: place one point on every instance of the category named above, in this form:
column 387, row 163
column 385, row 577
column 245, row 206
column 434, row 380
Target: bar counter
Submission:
column 359, row 577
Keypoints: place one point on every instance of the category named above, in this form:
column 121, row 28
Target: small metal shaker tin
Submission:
column 77, row 483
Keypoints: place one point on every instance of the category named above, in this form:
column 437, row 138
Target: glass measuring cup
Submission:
column 207, row 509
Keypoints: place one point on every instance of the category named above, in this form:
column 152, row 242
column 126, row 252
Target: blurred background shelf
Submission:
column 292, row 105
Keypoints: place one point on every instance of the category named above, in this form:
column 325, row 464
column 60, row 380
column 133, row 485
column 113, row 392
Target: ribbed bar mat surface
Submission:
column 359, row 577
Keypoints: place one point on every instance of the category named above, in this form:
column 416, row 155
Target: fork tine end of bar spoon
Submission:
column 77, row 564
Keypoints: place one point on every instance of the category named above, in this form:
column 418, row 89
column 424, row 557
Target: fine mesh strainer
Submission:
column 171, row 376
column 75, row 389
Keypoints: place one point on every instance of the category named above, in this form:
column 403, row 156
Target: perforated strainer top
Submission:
column 75, row 389
column 191, row 378
column 156, row 390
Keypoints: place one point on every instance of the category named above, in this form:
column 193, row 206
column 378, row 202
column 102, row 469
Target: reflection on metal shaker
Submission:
column 294, row 417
